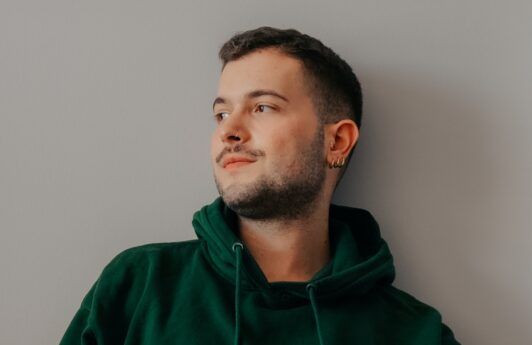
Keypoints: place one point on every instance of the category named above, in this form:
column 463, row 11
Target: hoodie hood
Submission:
column 360, row 259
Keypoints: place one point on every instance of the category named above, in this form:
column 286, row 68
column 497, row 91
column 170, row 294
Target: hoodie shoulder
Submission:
column 405, row 301
column 153, row 248
column 142, row 254
column 133, row 266
column 126, row 277
column 407, row 308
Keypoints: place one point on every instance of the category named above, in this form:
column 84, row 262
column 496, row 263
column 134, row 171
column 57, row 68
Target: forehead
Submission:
column 263, row 69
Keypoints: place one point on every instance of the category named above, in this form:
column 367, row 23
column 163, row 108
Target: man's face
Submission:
column 282, row 137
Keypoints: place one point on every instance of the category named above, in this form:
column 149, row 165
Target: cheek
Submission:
column 285, row 143
column 216, row 146
column 284, row 151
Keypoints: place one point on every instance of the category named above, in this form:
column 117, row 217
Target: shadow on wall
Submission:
column 428, row 166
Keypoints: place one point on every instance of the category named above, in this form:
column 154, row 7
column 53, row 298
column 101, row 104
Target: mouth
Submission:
column 236, row 165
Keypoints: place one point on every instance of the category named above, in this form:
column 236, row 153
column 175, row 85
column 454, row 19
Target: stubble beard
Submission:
column 292, row 195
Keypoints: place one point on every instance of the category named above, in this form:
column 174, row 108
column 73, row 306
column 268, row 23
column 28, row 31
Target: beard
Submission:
column 291, row 195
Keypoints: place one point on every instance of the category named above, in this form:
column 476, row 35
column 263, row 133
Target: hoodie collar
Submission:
column 360, row 258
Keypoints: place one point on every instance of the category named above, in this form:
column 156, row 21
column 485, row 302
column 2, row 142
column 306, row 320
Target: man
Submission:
column 275, row 262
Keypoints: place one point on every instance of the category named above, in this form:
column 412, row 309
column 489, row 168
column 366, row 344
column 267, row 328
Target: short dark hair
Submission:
column 334, row 86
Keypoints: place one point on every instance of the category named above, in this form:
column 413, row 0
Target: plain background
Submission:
column 105, row 136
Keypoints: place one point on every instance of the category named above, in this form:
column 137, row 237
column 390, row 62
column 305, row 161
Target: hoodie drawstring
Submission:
column 238, row 254
column 310, row 288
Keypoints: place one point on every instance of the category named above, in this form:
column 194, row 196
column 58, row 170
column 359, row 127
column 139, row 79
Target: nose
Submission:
column 233, row 129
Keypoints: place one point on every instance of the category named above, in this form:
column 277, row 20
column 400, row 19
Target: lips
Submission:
column 233, row 159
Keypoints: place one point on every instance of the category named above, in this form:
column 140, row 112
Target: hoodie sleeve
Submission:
column 447, row 336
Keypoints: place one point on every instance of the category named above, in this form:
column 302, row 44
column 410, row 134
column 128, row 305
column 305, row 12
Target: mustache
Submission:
column 240, row 149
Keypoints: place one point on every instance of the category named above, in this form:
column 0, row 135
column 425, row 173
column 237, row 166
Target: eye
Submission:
column 218, row 116
column 264, row 105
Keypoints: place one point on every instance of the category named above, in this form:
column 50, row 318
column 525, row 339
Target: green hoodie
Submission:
column 212, row 291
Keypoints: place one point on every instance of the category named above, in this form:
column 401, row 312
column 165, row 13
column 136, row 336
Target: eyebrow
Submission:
column 253, row 94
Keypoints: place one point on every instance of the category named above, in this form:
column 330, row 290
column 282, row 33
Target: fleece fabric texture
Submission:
column 211, row 291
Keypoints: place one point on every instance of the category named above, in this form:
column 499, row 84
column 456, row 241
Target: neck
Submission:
column 289, row 250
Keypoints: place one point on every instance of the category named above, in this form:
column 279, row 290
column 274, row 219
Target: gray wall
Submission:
column 104, row 144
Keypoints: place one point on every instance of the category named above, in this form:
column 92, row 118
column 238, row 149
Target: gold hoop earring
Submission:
column 338, row 163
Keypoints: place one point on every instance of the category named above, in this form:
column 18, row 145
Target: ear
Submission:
column 341, row 138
